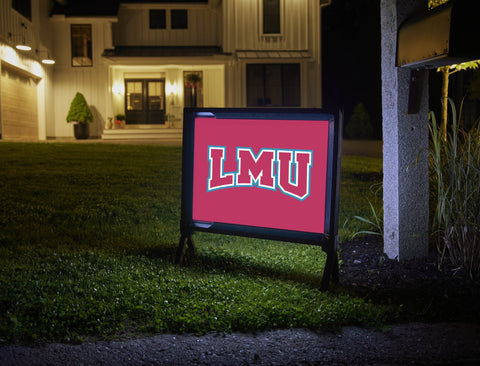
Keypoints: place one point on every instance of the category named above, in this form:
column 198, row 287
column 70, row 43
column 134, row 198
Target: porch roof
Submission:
column 274, row 54
column 163, row 51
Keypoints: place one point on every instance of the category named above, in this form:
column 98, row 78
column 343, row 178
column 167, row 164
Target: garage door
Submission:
column 18, row 102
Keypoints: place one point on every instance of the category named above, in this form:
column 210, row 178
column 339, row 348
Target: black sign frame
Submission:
column 327, row 240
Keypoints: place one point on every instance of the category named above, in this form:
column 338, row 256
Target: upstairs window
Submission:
column 24, row 7
column 271, row 12
column 179, row 19
column 158, row 19
column 81, row 45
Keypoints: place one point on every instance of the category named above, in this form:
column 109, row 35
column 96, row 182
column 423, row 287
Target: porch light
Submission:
column 118, row 89
column 172, row 88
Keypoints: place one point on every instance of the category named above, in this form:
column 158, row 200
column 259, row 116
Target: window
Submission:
column 24, row 7
column 179, row 19
column 134, row 95
column 271, row 17
column 158, row 19
column 81, row 45
column 273, row 85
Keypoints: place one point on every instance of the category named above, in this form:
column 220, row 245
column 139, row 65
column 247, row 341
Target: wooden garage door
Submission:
column 19, row 105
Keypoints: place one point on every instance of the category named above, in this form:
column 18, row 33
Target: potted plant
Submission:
column 81, row 116
column 120, row 121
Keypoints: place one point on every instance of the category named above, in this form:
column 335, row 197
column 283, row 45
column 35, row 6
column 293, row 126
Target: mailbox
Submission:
column 446, row 35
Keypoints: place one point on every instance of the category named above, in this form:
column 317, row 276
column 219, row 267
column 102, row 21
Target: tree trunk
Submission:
column 444, row 98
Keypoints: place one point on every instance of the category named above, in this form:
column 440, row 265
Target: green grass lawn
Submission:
column 88, row 234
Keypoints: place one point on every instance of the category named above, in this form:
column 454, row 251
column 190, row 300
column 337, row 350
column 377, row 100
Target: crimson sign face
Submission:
column 266, row 173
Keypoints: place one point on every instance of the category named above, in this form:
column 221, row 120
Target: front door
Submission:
column 145, row 101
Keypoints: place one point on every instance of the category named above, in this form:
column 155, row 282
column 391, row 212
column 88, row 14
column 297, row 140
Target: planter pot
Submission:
column 81, row 131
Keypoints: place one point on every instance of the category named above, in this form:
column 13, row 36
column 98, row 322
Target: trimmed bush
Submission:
column 359, row 125
column 79, row 110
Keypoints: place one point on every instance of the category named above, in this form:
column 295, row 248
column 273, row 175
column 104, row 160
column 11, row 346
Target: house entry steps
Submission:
column 147, row 133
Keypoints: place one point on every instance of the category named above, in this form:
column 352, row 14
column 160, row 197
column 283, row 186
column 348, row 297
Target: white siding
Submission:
column 91, row 81
column 300, row 31
column 214, row 91
column 243, row 26
column 133, row 28
column 235, row 25
column 37, row 34
column 92, row 84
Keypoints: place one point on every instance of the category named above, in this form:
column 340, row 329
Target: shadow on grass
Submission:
column 215, row 263
column 225, row 263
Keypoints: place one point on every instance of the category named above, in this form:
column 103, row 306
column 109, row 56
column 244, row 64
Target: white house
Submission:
column 148, row 60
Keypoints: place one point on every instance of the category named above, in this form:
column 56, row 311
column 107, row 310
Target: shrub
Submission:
column 359, row 125
column 455, row 182
column 79, row 110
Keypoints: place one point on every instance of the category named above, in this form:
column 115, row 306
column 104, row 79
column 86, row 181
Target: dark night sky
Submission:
column 351, row 58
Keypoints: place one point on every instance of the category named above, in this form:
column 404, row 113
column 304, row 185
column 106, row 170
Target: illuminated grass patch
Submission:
column 88, row 234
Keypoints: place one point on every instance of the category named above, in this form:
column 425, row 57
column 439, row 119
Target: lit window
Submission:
column 81, row 45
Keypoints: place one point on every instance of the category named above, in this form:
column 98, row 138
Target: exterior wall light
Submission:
column 22, row 45
column 118, row 89
column 46, row 60
column 172, row 88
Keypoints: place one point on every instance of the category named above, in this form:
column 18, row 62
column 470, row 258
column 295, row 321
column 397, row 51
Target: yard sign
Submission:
column 265, row 173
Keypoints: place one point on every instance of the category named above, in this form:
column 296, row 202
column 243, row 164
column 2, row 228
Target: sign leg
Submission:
column 185, row 240
column 331, row 271
column 180, row 250
column 190, row 245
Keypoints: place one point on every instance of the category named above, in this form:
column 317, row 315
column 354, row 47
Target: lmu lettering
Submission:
column 286, row 170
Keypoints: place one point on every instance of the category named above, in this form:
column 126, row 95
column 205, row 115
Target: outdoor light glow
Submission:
column 172, row 88
column 11, row 56
column 48, row 61
column 118, row 89
column 23, row 47
column 37, row 69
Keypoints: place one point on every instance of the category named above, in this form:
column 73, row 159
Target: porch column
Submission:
column 405, row 139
